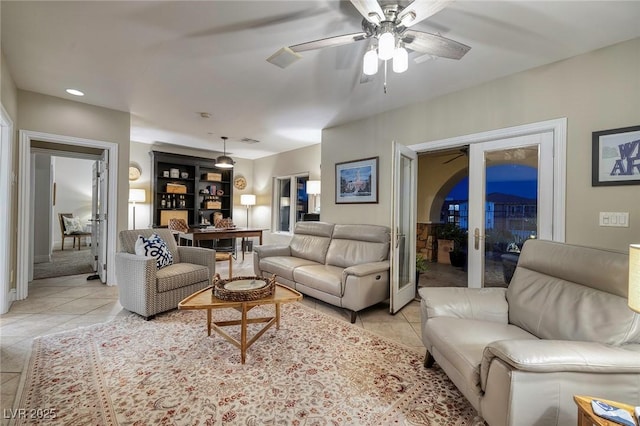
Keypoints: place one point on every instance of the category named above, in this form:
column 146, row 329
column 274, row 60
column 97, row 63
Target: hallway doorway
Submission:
column 62, row 187
column 27, row 142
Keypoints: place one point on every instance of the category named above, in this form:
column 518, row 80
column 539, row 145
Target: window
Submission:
column 290, row 201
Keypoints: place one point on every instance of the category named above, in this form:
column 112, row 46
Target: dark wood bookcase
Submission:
column 194, row 174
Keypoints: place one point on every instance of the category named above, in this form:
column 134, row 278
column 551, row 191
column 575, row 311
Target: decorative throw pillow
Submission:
column 72, row 225
column 154, row 246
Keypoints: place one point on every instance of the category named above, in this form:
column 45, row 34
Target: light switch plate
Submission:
column 614, row 219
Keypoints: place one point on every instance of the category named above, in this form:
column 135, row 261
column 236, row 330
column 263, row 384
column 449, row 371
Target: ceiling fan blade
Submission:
column 261, row 22
column 329, row 42
column 369, row 9
column 453, row 159
column 434, row 44
column 421, row 10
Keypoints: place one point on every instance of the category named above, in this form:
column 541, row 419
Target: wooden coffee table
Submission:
column 204, row 299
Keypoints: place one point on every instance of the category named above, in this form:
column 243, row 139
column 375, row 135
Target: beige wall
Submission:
column 595, row 91
column 49, row 114
column 302, row 160
column 140, row 154
column 8, row 91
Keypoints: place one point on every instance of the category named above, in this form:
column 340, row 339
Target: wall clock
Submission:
column 134, row 172
column 240, row 182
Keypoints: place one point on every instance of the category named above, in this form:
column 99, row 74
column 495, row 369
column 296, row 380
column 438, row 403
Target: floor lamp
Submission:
column 313, row 188
column 136, row 196
column 247, row 200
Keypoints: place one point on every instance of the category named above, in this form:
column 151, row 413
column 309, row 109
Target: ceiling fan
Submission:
column 464, row 151
column 388, row 28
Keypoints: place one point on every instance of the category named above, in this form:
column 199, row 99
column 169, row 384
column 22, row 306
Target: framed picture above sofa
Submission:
column 357, row 181
column 616, row 157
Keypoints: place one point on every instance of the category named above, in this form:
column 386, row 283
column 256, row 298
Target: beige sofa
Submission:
column 561, row 328
column 344, row 265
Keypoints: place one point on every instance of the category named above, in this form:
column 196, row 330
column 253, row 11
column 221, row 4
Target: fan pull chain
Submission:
column 385, row 77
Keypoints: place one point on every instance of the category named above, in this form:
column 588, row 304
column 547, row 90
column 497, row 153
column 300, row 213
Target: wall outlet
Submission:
column 615, row 219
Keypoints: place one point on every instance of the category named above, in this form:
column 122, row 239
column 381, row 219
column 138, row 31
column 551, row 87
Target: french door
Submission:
column 99, row 216
column 499, row 227
column 403, row 227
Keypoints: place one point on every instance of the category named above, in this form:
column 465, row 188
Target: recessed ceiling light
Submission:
column 75, row 92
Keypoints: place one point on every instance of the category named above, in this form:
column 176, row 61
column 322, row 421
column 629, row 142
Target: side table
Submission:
column 586, row 416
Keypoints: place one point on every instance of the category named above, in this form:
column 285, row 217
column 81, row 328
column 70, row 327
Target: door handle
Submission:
column 476, row 239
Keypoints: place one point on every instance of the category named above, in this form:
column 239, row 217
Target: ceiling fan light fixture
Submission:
column 386, row 45
column 400, row 60
column 370, row 62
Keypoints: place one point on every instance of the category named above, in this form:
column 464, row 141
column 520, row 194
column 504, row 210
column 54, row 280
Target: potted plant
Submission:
column 458, row 253
column 421, row 266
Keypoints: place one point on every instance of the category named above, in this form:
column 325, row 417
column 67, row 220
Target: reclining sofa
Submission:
column 561, row 328
column 344, row 265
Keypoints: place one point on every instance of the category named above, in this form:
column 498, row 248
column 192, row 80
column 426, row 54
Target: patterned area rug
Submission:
column 314, row 370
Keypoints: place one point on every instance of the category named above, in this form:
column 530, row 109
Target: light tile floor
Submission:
column 65, row 303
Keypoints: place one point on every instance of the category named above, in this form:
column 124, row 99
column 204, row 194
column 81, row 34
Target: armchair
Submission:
column 146, row 290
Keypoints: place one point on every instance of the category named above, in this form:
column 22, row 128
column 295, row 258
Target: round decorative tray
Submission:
column 242, row 289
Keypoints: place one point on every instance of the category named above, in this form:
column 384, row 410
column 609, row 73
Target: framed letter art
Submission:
column 357, row 181
column 616, row 157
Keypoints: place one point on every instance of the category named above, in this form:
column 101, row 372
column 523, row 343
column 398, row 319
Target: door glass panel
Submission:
column 302, row 204
column 405, row 223
column 284, row 204
column 511, row 209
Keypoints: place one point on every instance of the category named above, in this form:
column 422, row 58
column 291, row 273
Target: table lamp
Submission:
column 313, row 188
column 136, row 196
column 634, row 277
column 248, row 200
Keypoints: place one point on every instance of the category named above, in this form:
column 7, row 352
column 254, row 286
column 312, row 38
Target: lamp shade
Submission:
column 634, row 277
column 313, row 187
column 386, row 45
column 137, row 195
column 400, row 60
column 370, row 63
column 224, row 162
column 248, row 200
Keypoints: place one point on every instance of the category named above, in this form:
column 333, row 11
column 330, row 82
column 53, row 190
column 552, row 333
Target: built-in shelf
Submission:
column 195, row 167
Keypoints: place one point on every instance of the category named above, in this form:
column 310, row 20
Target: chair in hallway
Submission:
column 71, row 228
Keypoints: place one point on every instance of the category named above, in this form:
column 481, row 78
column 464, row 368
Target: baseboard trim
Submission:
column 43, row 258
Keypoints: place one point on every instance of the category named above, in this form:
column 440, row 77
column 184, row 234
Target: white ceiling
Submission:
column 165, row 62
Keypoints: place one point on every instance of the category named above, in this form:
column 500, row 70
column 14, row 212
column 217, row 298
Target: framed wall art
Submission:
column 616, row 157
column 357, row 181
